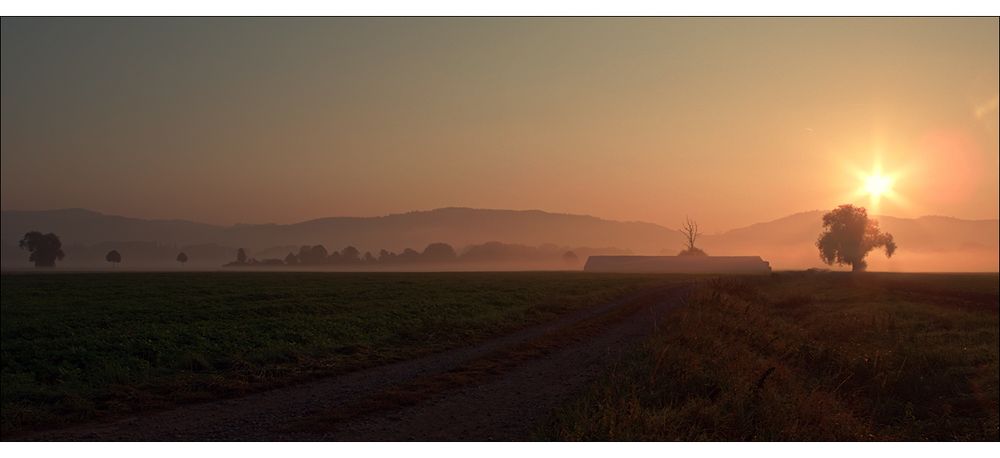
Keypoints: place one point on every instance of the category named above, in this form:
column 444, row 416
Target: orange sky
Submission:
column 730, row 121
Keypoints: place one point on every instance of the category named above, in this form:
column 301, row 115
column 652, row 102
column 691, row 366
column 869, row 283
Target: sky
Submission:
column 728, row 121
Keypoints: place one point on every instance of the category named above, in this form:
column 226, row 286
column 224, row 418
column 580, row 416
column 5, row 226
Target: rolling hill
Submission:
column 926, row 243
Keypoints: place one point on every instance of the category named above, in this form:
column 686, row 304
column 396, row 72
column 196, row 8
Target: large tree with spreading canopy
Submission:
column 848, row 235
column 45, row 249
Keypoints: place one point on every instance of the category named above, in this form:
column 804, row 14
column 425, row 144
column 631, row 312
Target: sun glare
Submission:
column 877, row 185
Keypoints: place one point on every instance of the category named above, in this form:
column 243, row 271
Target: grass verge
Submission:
column 807, row 356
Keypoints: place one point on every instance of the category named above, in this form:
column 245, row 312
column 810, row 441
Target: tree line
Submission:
column 45, row 249
column 434, row 253
column 847, row 238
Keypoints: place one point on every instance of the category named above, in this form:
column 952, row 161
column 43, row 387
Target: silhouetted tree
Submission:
column 318, row 251
column 691, row 234
column 314, row 255
column 45, row 249
column 350, row 255
column 408, row 255
column 848, row 235
column 570, row 257
column 291, row 259
column 114, row 257
column 439, row 252
column 241, row 256
column 182, row 258
column 385, row 256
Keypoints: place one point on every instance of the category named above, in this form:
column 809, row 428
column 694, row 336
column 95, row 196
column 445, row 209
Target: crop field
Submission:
column 790, row 356
column 807, row 356
column 81, row 346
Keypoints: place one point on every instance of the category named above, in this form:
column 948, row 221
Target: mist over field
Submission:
column 510, row 228
column 484, row 239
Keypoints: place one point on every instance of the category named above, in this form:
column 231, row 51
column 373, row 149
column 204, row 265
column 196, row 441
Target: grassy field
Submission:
column 808, row 356
column 78, row 346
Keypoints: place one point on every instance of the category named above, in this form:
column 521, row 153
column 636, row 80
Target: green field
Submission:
column 807, row 356
column 78, row 346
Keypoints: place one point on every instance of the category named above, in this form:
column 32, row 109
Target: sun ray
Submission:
column 876, row 185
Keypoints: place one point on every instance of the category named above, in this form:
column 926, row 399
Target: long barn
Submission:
column 679, row 264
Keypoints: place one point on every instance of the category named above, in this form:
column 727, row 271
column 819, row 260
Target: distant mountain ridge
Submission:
column 77, row 225
column 922, row 233
column 458, row 226
column 787, row 242
column 927, row 243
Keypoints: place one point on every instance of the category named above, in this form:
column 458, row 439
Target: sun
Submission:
column 877, row 185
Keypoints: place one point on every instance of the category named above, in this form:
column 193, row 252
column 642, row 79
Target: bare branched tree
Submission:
column 690, row 231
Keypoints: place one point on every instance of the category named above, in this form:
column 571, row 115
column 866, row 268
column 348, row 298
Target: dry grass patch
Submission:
column 807, row 357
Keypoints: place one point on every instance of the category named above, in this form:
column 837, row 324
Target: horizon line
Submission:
column 182, row 220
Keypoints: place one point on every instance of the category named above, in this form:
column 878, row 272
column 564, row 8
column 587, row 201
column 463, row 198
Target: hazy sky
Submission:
column 730, row 121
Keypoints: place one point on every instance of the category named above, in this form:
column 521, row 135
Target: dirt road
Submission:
column 497, row 390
